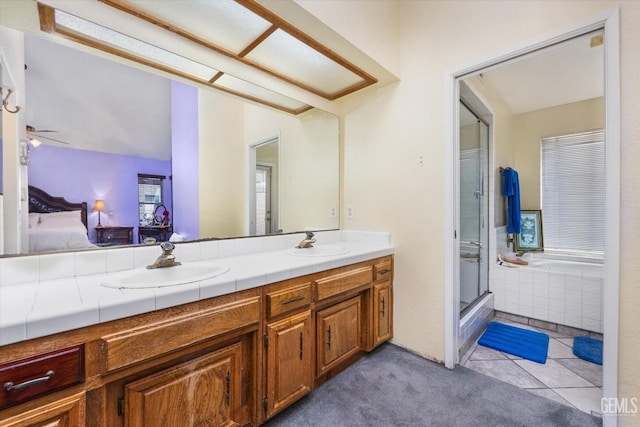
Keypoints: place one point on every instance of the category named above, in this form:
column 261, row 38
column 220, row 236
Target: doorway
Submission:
column 263, row 198
column 609, row 23
column 263, row 195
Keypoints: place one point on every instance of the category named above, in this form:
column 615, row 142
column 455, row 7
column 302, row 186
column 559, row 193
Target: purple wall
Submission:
column 80, row 175
column 1, row 170
column 184, row 156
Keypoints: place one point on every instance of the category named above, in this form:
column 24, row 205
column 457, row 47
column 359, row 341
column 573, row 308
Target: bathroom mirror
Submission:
column 100, row 124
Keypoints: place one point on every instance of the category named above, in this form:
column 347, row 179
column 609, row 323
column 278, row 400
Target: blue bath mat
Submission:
column 520, row 342
column 588, row 349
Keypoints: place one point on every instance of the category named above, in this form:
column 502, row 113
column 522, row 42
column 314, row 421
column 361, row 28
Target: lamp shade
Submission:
column 98, row 206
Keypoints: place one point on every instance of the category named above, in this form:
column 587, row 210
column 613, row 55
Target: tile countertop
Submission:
column 66, row 293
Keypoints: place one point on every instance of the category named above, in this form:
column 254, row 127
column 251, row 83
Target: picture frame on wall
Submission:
column 530, row 237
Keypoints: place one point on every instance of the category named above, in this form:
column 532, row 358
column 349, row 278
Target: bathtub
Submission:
column 563, row 292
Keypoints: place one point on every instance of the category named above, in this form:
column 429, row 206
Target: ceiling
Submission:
column 568, row 72
column 96, row 104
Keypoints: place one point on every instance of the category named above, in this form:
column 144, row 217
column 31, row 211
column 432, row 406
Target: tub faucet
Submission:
column 307, row 242
column 167, row 259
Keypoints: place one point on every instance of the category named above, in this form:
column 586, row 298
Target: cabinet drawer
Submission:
column 27, row 378
column 343, row 282
column 289, row 299
column 139, row 344
column 382, row 271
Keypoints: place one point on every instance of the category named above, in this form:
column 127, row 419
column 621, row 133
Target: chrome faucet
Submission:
column 307, row 242
column 167, row 259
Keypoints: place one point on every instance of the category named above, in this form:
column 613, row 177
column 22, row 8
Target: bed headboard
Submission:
column 42, row 202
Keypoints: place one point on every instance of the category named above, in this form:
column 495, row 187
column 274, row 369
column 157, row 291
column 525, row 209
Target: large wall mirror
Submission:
column 135, row 145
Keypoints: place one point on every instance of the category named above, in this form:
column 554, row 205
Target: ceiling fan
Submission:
column 34, row 136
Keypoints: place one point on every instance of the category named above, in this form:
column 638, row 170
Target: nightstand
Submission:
column 159, row 232
column 110, row 236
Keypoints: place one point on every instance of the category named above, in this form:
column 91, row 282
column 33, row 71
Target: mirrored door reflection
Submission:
column 265, row 212
column 474, row 136
column 263, row 199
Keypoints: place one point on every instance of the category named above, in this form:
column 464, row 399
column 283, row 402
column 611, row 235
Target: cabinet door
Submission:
column 66, row 412
column 382, row 312
column 339, row 333
column 288, row 361
column 201, row 392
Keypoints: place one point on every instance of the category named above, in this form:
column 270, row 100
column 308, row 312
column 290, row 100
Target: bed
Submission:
column 56, row 224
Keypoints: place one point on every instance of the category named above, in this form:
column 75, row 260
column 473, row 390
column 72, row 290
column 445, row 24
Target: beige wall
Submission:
column 531, row 127
column 308, row 164
column 307, row 179
column 220, row 126
column 395, row 147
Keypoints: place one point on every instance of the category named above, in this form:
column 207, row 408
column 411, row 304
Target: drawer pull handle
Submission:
column 292, row 300
column 385, row 271
column 9, row 386
column 301, row 338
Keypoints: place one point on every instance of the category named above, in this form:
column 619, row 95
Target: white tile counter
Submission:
column 50, row 293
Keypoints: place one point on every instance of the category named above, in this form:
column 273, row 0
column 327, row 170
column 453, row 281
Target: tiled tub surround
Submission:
column 50, row 293
column 562, row 292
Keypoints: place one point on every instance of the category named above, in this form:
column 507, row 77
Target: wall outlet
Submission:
column 350, row 212
column 333, row 211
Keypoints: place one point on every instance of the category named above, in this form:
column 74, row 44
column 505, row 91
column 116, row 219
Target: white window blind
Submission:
column 573, row 192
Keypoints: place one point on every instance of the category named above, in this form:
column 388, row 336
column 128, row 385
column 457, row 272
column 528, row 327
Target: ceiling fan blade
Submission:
column 31, row 129
column 52, row 139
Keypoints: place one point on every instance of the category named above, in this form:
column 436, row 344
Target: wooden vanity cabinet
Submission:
column 63, row 412
column 288, row 365
column 382, row 322
column 202, row 391
column 382, row 313
column 232, row 360
column 338, row 334
column 197, row 367
column 289, row 344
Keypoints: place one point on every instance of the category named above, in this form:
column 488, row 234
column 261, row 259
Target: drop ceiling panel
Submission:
column 202, row 40
column 287, row 55
column 254, row 91
column 222, row 22
column 133, row 46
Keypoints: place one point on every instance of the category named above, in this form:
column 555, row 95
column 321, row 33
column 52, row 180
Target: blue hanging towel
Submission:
column 511, row 190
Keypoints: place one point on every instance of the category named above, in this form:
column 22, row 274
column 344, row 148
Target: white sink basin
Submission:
column 169, row 276
column 319, row 251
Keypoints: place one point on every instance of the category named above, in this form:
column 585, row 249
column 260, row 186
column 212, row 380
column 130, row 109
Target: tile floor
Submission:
column 564, row 378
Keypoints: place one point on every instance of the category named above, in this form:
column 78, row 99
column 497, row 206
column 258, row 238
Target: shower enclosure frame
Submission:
column 476, row 246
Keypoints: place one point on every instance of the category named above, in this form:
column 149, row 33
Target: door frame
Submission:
column 269, row 197
column 609, row 21
column 250, row 213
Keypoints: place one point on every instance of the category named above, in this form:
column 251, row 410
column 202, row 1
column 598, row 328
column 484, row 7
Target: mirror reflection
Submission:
column 155, row 159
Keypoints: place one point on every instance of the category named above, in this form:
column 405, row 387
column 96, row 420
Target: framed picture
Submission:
column 530, row 237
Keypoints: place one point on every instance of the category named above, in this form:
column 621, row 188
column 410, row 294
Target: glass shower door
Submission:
column 474, row 207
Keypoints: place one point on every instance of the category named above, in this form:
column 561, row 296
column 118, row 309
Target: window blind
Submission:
column 149, row 195
column 573, row 192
